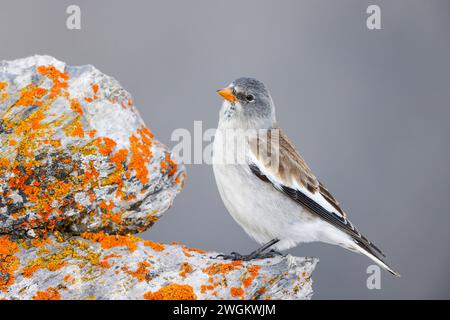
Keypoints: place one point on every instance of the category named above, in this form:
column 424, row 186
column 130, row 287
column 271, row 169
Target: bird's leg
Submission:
column 277, row 253
column 257, row 254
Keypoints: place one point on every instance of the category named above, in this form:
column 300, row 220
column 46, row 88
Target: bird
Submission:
column 266, row 185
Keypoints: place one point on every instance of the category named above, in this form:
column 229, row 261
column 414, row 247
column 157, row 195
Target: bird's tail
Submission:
column 372, row 254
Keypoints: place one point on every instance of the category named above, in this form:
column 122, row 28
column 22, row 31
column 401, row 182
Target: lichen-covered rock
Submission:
column 75, row 155
column 100, row 266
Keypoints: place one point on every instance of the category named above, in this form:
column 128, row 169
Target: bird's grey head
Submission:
column 247, row 104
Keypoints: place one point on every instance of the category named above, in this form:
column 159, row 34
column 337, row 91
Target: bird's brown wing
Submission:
column 274, row 159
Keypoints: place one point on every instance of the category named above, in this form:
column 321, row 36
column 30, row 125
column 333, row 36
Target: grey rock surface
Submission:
column 98, row 266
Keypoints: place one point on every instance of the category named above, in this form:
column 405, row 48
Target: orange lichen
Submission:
column 76, row 106
column 95, row 88
column 152, row 218
column 105, row 262
column 38, row 242
column 253, row 271
column 106, row 206
column 172, row 292
column 173, row 165
column 4, row 163
column 236, row 292
column 141, row 154
column 49, row 294
column 56, row 265
column 141, row 272
column 119, row 158
column 168, row 163
column 31, row 95
column 187, row 254
column 222, row 268
column 3, row 95
column 247, row 282
column 110, row 241
column 154, row 245
column 204, row 288
column 186, row 251
column 113, row 217
column 77, row 130
column 69, row 278
column 58, row 78
column 163, row 166
column 185, row 268
column 195, row 250
column 8, row 262
column 105, row 145
column 92, row 133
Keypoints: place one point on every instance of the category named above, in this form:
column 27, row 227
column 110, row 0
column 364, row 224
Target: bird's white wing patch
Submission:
column 317, row 198
column 279, row 183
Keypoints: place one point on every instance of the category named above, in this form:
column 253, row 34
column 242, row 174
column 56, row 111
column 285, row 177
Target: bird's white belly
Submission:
column 264, row 212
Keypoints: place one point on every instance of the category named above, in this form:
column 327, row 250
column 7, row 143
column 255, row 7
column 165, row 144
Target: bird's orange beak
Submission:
column 227, row 94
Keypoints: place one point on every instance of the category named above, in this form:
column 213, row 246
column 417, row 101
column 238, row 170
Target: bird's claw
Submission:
column 235, row 256
column 277, row 253
column 232, row 256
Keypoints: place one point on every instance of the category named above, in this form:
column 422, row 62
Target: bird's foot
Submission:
column 277, row 253
column 252, row 256
column 232, row 256
column 257, row 254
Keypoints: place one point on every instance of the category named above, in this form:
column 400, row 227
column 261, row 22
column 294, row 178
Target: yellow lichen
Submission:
column 51, row 262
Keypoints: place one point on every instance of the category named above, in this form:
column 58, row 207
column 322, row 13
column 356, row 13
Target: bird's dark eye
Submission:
column 250, row 98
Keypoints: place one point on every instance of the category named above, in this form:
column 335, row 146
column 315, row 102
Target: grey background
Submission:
column 370, row 111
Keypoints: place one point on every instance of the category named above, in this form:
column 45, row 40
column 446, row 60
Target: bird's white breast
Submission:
column 262, row 211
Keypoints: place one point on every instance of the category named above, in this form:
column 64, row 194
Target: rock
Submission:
column 100, row 266
column 75, row 155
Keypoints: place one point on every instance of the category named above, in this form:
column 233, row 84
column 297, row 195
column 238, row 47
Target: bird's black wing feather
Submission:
column 339, row 222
